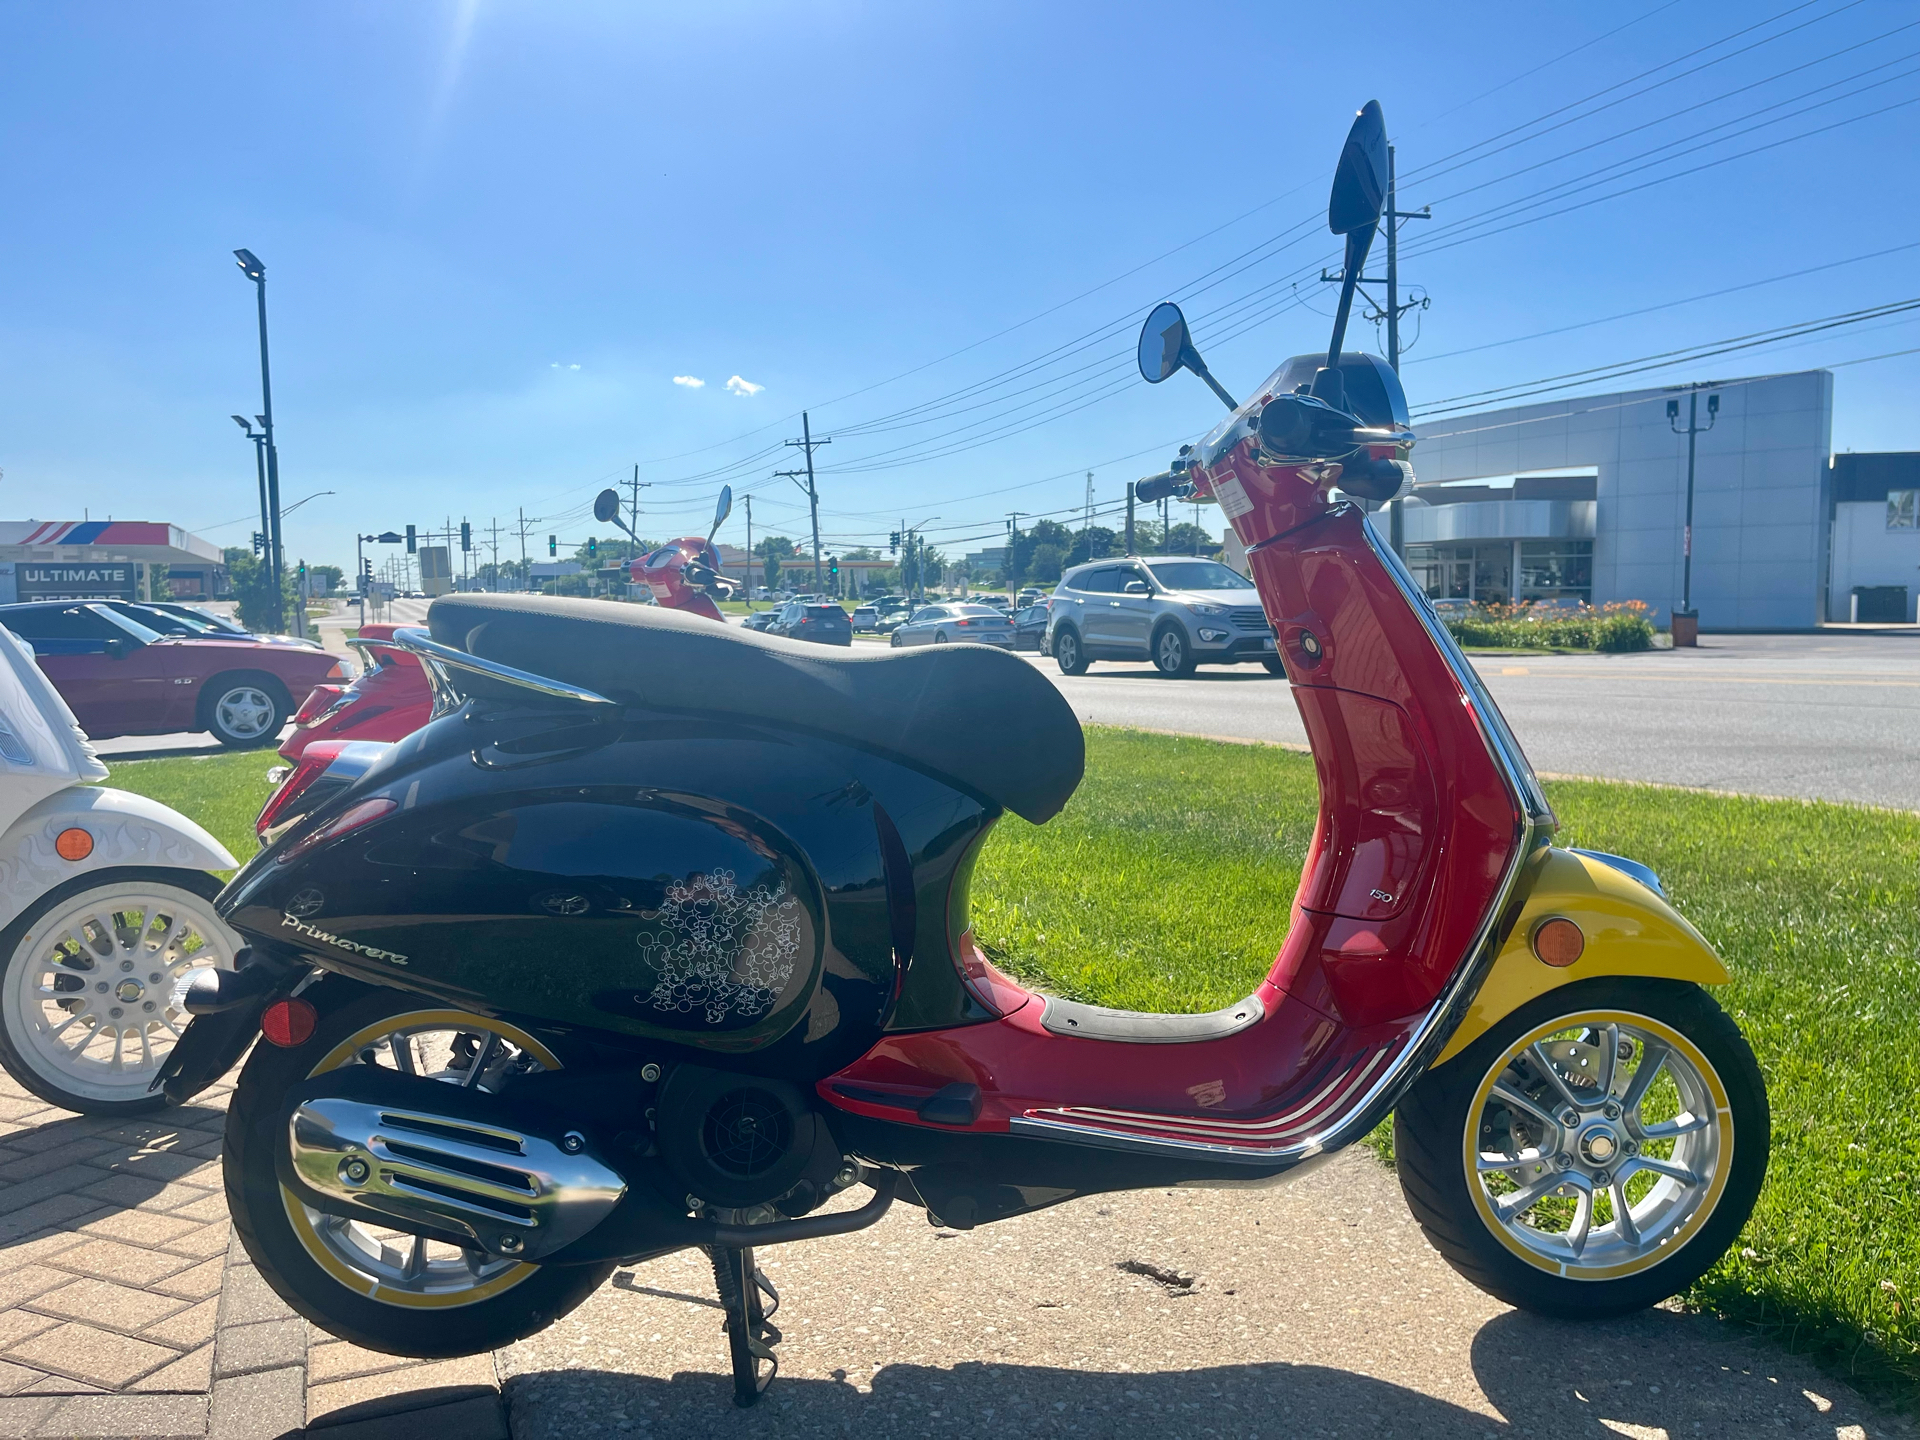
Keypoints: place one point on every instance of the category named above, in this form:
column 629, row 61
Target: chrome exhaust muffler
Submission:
column 422, row 1156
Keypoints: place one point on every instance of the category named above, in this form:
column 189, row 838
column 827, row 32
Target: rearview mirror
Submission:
column 722, row 508
column 1136, row 587
column 606, row 505
column 1163, row 343
column 117, row 649
column 1360, row 179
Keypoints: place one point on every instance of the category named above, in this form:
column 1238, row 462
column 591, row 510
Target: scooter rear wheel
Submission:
column 1592, row 1154
column 384, row 1289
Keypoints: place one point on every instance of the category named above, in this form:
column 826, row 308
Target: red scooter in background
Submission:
column 392, row 697
column 683, row 574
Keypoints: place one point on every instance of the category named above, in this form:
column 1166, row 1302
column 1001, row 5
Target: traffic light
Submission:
column 366, row 575
column 411, row 546
column 893, row 541
column 593, row 548
column 553, row 546
column 259, row 542
column 466, row 536
column 833, row 566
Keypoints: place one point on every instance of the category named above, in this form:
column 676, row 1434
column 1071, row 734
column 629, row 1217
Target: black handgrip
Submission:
column 1161, row 486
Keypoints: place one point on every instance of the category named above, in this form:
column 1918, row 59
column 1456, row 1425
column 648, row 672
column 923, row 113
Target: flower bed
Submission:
column 1617, row 625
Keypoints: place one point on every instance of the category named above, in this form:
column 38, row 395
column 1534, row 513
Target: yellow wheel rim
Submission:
column 357, row 1256
column 1598, row 1144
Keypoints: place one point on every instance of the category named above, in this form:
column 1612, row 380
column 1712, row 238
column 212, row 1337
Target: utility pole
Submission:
column 813, row 495
column 749, row 554
column 1396, row 522
column 1129, row 517
column 526, row 573
column 493, row 532
column 633, row 509
column 1686, row 621
column 1086, row 528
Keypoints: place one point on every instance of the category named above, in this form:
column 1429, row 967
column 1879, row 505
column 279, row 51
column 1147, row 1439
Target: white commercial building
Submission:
column 1585, row 499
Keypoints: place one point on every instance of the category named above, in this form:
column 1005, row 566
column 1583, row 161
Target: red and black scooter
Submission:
column 658, row 936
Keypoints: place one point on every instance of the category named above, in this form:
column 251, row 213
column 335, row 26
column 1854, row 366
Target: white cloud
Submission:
column 744, row 387
column 556, row 365
column 692, row 382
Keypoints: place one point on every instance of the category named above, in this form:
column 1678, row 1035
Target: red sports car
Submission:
column 120, row 678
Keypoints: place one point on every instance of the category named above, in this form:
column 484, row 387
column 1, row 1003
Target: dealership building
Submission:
column 1585, row 500
column 105, row 560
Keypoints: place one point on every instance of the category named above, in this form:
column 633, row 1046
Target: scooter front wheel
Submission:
column 92, row 980
column 1592, row 1154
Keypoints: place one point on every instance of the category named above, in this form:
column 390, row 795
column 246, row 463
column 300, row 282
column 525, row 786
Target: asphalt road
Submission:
column 1315, row 1309
column 1834, row 716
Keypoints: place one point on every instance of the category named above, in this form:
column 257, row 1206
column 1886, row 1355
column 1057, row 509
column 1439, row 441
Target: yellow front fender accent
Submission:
column 1629, row 929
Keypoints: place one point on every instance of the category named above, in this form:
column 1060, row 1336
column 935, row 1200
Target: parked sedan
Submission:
column 761, row 619
column 121, row 678
column 1030, row 628
column 822, row 624
column 950, row 623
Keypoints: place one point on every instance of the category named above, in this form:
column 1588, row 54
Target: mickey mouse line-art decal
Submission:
column 720, row 949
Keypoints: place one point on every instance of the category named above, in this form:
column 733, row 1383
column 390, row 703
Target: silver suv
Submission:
column 1175, row 611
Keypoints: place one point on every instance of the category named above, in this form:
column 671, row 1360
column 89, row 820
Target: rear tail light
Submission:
column 365, row 813
column 313, row 764
column 339, row 671
column 320, row 698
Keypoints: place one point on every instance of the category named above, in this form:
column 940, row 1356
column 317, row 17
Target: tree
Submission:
column 252, row 583
column 772, row 551
column 1020, row 552
column 1096, row 542
column 1186, row 538
column 1044, row 564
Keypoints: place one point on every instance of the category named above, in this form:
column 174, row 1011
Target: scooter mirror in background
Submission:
column 606, row 505
column 722, row 508
column 1360, row 181
column 1163, row 343
column 1166, row 347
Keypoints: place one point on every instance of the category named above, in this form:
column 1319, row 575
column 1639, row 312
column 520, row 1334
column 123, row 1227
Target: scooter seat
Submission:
column 980, row 717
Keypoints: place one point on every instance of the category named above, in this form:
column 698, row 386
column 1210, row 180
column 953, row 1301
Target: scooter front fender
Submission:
column 126, row 830
column 1629, row 931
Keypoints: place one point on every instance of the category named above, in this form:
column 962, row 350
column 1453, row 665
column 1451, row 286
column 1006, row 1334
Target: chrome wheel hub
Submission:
column 1597, row 1144
column 246, row 711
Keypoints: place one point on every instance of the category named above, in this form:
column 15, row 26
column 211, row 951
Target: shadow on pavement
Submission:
column 1647, row 1375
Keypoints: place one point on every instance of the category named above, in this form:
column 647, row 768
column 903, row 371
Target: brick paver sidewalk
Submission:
column 128, row 1309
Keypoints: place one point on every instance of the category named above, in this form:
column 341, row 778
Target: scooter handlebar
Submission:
column 1162, row 486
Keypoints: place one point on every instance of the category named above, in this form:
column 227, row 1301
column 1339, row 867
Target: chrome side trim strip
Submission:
column 1443, row 1016
column 438, row 658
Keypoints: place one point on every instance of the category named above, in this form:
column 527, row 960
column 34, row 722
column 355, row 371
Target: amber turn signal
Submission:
column 1558, row 942
column 74, row 844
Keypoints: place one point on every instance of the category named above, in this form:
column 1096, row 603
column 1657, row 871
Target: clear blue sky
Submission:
column 496, row 233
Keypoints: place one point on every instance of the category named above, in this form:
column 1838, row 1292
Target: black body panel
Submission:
column 672, row 885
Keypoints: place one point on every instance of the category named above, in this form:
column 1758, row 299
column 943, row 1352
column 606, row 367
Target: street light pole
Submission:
column 1686, row 621
column 251, row 267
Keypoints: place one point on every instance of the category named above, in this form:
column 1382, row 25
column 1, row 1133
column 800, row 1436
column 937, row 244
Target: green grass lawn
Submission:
column 1165, row 885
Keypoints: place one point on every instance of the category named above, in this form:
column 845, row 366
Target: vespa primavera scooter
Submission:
column 658, row 936
column 106, row 910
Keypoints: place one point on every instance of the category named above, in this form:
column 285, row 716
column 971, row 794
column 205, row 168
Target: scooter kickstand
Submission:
column 750, row 1335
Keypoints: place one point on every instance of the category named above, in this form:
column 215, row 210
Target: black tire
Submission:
column 1172, row 653
column 13, row 952
column 894, row 640
column 939, row 637
column 1276, row 667
column 1429, row 1135
column 1069, row 653
column 225, row 698
column 540, row 1295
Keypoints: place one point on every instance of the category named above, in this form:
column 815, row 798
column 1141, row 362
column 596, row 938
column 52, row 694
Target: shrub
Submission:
column 1616, row 626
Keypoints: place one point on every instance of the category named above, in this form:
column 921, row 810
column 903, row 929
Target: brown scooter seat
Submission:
column 981, row 717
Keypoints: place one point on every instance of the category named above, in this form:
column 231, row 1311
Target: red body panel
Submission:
column 1417, row 830
column 389, row 702
column 664, row 573
column 155, row 689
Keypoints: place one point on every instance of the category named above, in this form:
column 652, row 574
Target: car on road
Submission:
column 1028, row 596
column 866, row 617
column 822, row 624
column 1030, row 628
column 954, row 623
column 761, row 619
column 120, row 677
column 1173, row 611
column 188, row 624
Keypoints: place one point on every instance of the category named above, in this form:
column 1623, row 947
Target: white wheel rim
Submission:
column 245, row 712
column 1598, row 1144
column 92, row 996
column 392, row 1266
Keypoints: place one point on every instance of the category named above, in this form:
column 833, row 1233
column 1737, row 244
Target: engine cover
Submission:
column 736, row 1140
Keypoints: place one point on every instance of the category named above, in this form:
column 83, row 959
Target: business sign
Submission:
column 436, row 569
column 116, row 580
